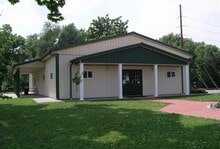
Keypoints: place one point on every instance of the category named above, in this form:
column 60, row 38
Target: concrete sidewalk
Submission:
column 42, row 100
column 213, row 91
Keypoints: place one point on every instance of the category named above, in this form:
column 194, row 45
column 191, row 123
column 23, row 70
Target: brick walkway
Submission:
column 191, row 108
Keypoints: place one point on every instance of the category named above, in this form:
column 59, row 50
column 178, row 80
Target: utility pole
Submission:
column 181, row 26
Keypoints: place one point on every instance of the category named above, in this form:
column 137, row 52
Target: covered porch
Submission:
column 130, row 80
column 33, row 69
column 137, row 70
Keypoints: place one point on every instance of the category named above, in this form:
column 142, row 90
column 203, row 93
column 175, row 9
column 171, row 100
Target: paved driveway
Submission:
column 191, row 108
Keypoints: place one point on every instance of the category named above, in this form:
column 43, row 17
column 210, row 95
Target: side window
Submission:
column 51, row 75
column 171, row 74
column 88, row 74
column 85, row 74
column 168, row 74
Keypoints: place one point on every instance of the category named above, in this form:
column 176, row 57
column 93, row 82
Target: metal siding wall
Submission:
column 64, row 62
column 116, row 43
column 50, row 84
column 100, row 46
column 160, row 46
column 104, row 82
column 171, row 85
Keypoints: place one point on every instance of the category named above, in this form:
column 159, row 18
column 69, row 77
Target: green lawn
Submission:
column 101, row 125
column 201, row 97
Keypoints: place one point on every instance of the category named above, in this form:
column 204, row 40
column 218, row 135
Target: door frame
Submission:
column 141, row 88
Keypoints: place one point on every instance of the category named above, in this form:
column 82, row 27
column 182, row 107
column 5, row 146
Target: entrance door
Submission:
column 132, row 82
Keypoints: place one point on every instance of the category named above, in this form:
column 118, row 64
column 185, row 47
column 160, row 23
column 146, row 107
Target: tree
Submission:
column 11, row 52
column 58, row 37
column 70, row 36
column 52, row 5
column 103, row 27
column 49, row 37
column 32, row 46
column 204, row 67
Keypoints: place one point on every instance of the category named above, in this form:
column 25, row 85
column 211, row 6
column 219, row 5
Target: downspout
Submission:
column 71, row 64
column 57, row 76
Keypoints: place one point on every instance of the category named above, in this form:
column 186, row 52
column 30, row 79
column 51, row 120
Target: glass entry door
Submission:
column 132, row 82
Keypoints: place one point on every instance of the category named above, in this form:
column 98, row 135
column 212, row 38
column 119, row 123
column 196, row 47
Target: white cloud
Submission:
column 153, row 18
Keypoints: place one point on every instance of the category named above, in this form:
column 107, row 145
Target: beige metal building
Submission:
column 122, row 66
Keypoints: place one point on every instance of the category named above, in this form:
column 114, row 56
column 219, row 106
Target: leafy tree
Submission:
column 49, row 37
column 32, row 46
column 56, row 37
column 70, row 36
column 204, row 67
column 103, row 27
column 52, row 5
column 11, row 52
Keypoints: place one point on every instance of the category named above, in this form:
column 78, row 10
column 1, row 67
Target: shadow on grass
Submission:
column 101, row 126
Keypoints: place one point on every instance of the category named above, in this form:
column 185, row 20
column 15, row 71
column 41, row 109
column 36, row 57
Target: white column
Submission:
column 187, row 80
column 120, row 95
column 31, row 86
column 81, row 85
column 155, row 80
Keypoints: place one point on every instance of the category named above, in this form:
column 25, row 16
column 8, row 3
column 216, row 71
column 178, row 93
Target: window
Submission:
column 88, row 74
column 85, row 74
column 43, row 77
column 168, row 74
column 51, row 75
column 171, row 74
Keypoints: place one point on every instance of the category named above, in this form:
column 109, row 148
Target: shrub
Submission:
column 217, row 105
column 5, row 97
column 198, row 90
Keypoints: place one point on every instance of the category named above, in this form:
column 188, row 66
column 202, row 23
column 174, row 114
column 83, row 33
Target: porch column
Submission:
column 186, row 79
column 81, row 85
column 31, row 82
column 155, row 80
column 120, row 92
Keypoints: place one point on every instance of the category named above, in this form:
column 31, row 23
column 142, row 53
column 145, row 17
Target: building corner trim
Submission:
column 57, row 77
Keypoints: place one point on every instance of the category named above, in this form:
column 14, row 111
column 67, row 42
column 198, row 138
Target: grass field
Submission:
column 201, row 97
column 101, row 125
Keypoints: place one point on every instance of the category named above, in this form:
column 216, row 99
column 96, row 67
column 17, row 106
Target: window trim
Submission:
column 88, row 75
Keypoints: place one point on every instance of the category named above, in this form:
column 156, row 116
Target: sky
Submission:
column 153, row 18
